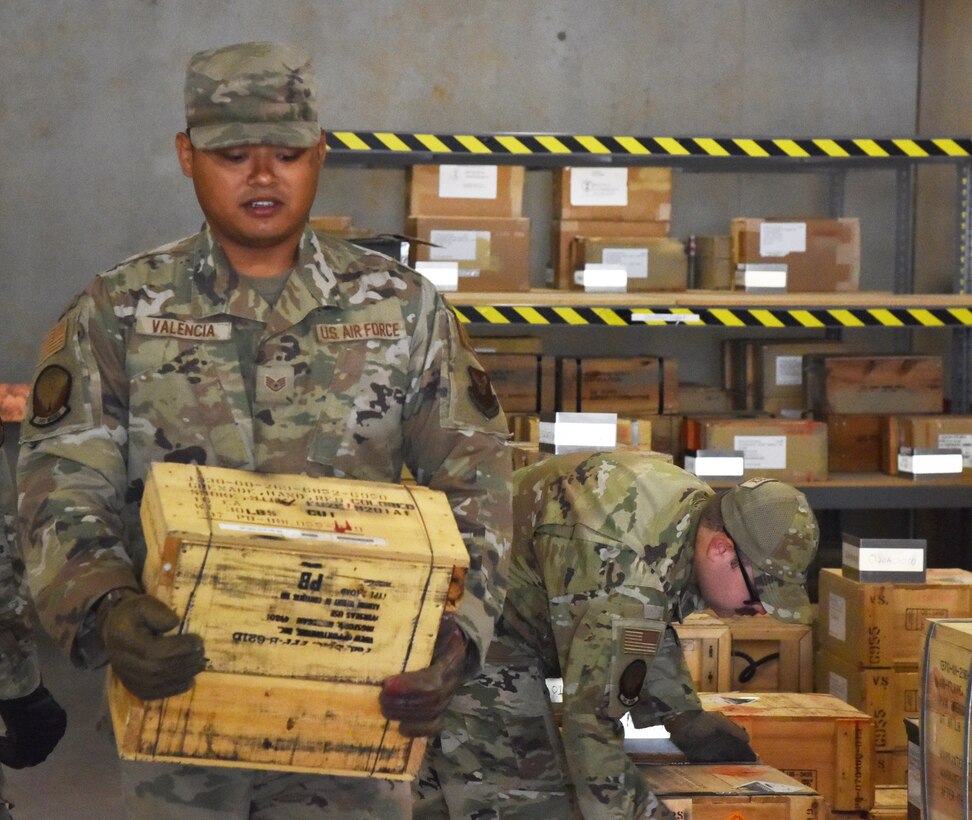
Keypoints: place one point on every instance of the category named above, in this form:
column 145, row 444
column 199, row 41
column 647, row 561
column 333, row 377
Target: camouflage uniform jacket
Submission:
column 19, row 669
column 603, row 549
column 359, row 367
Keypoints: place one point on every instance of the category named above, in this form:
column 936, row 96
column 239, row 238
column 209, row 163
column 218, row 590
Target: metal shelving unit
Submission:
column 833, row 156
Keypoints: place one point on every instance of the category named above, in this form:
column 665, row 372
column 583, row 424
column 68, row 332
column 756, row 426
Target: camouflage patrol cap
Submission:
column 251, row 94
column 773, row 526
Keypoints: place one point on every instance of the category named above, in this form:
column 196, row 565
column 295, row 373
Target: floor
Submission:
column 80, row 780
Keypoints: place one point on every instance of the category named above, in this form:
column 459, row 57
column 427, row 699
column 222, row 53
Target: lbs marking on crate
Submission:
column 442, row 147
column 720, row 317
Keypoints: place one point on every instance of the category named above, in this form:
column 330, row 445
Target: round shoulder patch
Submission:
column 52, row 390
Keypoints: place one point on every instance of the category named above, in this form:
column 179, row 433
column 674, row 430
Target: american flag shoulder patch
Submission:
column 639, row 640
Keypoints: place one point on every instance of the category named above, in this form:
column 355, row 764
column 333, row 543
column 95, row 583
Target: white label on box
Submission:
column 293, row 534
column 837, row 617
column 837, row 686
column 458, row 245
column 762, row 452
column 599, row 186
column 875, row 559
column 633, row 260
column 444, row 275
column 956, row 441
column 715, row 466
column 782, row 238
column 467, row 181
column 930, row 463
column 597, row 276
column 762, row 277
column 578, row 434
column 789, row 371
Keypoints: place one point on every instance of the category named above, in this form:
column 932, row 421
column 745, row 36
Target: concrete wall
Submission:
column 92, row 98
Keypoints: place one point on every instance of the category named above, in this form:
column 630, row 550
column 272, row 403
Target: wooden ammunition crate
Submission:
column 756, row 639
column 873, row 384
column 308, row 593
column 726, row 792
column 518, row 371
column 884, row 624
column 946, row 784
column 817, row 739
column 706, row 647
column 888, row 694
column 951, row 431
column 637, row 386
column 890, row 803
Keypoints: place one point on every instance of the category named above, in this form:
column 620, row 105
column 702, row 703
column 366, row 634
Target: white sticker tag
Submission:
column 633, row 260
column 599, row 186
column 956, row 441
column 762, row 452
column 467, row 181
column 837, row 686
column 782, row 238
column 460, row 246
column 290, row 533
column 789, row 371
column 444, row 275
column 837, row 617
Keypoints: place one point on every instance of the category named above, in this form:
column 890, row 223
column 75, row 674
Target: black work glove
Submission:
column 710, row 737
column 418, row 699
column 35, row 723
column 150, row 663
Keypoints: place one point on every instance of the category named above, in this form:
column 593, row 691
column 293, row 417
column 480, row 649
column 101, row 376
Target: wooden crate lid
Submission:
column 780, row 705
column 295, row 512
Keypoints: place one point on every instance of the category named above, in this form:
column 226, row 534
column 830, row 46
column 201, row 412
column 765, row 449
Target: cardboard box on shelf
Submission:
column 934, row 431
column 873, row 384
column 564, row 232
column 884, row 624
column 519, row 373
column 652, row 264
column 466, row 190
column 769, row 655
column 762, row 374
column 493, row 253
column 815, row 738
column 821, row 255
column 888, row 694
column 338, row 225
column 637, row 387
column 792, row 450
column 706, row 647
column 713, row 263
column 308, row 592
column 625, row 194
column 703, row 399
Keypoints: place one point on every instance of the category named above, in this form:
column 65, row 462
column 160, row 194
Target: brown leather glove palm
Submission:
column 710, row 737
column 418, row 699
column 150, row 663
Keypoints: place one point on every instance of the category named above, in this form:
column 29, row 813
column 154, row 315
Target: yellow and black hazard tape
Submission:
column 715, row 317
column 445, row 146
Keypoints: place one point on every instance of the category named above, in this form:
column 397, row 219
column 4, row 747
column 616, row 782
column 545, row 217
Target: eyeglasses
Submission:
column 750, row 586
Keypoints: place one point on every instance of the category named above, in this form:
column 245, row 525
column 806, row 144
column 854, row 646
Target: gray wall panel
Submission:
column 92, row 97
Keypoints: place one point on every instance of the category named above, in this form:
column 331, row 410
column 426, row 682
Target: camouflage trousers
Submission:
column 162, row 791
column 499, row 755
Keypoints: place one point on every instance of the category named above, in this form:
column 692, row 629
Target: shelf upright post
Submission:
column 962, row 337
column 904, row 229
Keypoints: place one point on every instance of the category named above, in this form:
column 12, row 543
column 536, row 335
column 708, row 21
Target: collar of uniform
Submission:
column 216, row 291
